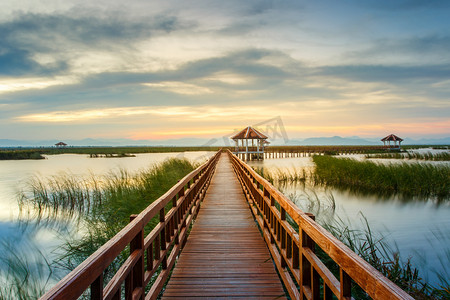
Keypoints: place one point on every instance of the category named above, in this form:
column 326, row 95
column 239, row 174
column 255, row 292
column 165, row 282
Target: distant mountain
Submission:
column 442, row 141
column 318, row 141
column 335, row 140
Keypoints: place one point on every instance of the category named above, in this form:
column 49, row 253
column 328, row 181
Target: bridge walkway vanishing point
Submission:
column 225, row 254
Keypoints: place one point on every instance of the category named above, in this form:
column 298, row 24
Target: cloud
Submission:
column 179, row 88
column 423, row 50
column 14, row 85
column 93, row 114
column 387, row 74
column 66, row 37
column 404, row 4
column 187, row 112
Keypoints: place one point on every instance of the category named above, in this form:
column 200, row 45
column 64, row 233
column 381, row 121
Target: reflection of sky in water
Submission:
column 39, row 242
column 420, row 229
column 15, row 174
column 412, row 226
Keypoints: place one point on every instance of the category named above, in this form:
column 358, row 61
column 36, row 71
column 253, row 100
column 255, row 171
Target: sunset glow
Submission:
column 164, row 70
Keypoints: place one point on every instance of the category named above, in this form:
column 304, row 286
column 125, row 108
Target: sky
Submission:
column 183, row 69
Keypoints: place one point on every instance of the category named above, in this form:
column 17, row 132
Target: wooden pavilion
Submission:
column 249, row 144
column 60, row 145
column 392, row 138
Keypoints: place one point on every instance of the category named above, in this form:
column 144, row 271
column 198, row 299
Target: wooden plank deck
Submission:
column 225, row 255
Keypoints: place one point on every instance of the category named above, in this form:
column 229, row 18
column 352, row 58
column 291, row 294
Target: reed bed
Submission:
column 23, row 274
column 373, row 248
column 369, row 245
column 20, row 154
column 284, row 176
column 36, row 153
column 100, row 206
column 444, row 156
column 413, row 179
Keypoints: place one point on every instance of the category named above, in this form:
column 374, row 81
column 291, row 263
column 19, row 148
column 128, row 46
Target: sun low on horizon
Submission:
column 157, row 70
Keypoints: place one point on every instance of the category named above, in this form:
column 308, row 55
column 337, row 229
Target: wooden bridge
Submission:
column 247, row 241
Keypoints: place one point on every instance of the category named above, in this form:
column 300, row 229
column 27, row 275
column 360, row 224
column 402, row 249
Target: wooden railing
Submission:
column 304, row 275
column 149, row 254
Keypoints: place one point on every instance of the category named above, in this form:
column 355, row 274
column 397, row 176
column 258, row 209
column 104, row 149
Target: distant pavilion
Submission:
column 60, row 145
column 392, row 138
column 249, row 144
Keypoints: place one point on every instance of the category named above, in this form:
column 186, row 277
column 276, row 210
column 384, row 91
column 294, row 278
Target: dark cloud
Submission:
column 116, row 88
column 246, row 63
column 404, row 4
column 30, row 34
column 16, row 62
column 387, row 74
column 433, row 46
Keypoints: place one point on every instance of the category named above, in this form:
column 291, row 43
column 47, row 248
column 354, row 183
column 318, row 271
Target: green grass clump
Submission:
column 367, row 244
column 444, row 156
column 20, row 154
column 413, row 179
column 102, row 206
column 36, row 153
column 284, row 176
column 373, row 249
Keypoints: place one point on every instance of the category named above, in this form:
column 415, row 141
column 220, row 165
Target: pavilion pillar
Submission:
column 246, row 149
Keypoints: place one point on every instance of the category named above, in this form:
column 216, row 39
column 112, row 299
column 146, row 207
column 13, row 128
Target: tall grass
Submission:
column 284, row 176
column 36, row 153
column 24, row 274
column 369, row 245
column 102, row 206
column 413, row 179
column 20, row 154
column 373, row 248
column 444, row 156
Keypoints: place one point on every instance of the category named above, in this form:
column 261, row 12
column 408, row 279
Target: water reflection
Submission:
column 33, row 235
column 407, row 223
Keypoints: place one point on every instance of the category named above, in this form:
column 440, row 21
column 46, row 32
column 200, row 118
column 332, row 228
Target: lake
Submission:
column 36, row 243
column 420, row 229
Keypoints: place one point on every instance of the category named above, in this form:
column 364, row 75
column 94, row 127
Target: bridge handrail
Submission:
column 158, row 250
column 294, row 251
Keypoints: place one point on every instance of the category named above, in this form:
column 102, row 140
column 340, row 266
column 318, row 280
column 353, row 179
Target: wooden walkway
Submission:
column 225, row 255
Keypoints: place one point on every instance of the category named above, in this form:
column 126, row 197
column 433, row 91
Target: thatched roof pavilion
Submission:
column 61, row 144
column 245, row 141
column 392, row 138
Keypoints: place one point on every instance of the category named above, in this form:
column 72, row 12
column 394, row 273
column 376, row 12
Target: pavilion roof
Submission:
column 60, row 144
column 391, row 137
column 249, row 133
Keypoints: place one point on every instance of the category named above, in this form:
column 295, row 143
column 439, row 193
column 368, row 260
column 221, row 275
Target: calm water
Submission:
column 419, row 229
column 15, row 175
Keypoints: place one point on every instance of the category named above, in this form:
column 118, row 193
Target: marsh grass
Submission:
column 444, row 156
column 369, row 245
column 413, row 179
column 24, row 271
column 36, row 153
column 20, row 154
column 373, row 248
column 96, row 207
column 284, row 176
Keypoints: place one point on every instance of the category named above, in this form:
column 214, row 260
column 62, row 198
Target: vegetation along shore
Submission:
column 97, row 207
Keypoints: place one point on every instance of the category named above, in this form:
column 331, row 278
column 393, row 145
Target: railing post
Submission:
column 183, row 205
column 282, row 232
column 346, row 285
column 97, row 288
column 162, row 217
column 306, row 268
column 273, row 222
column 138, row 270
